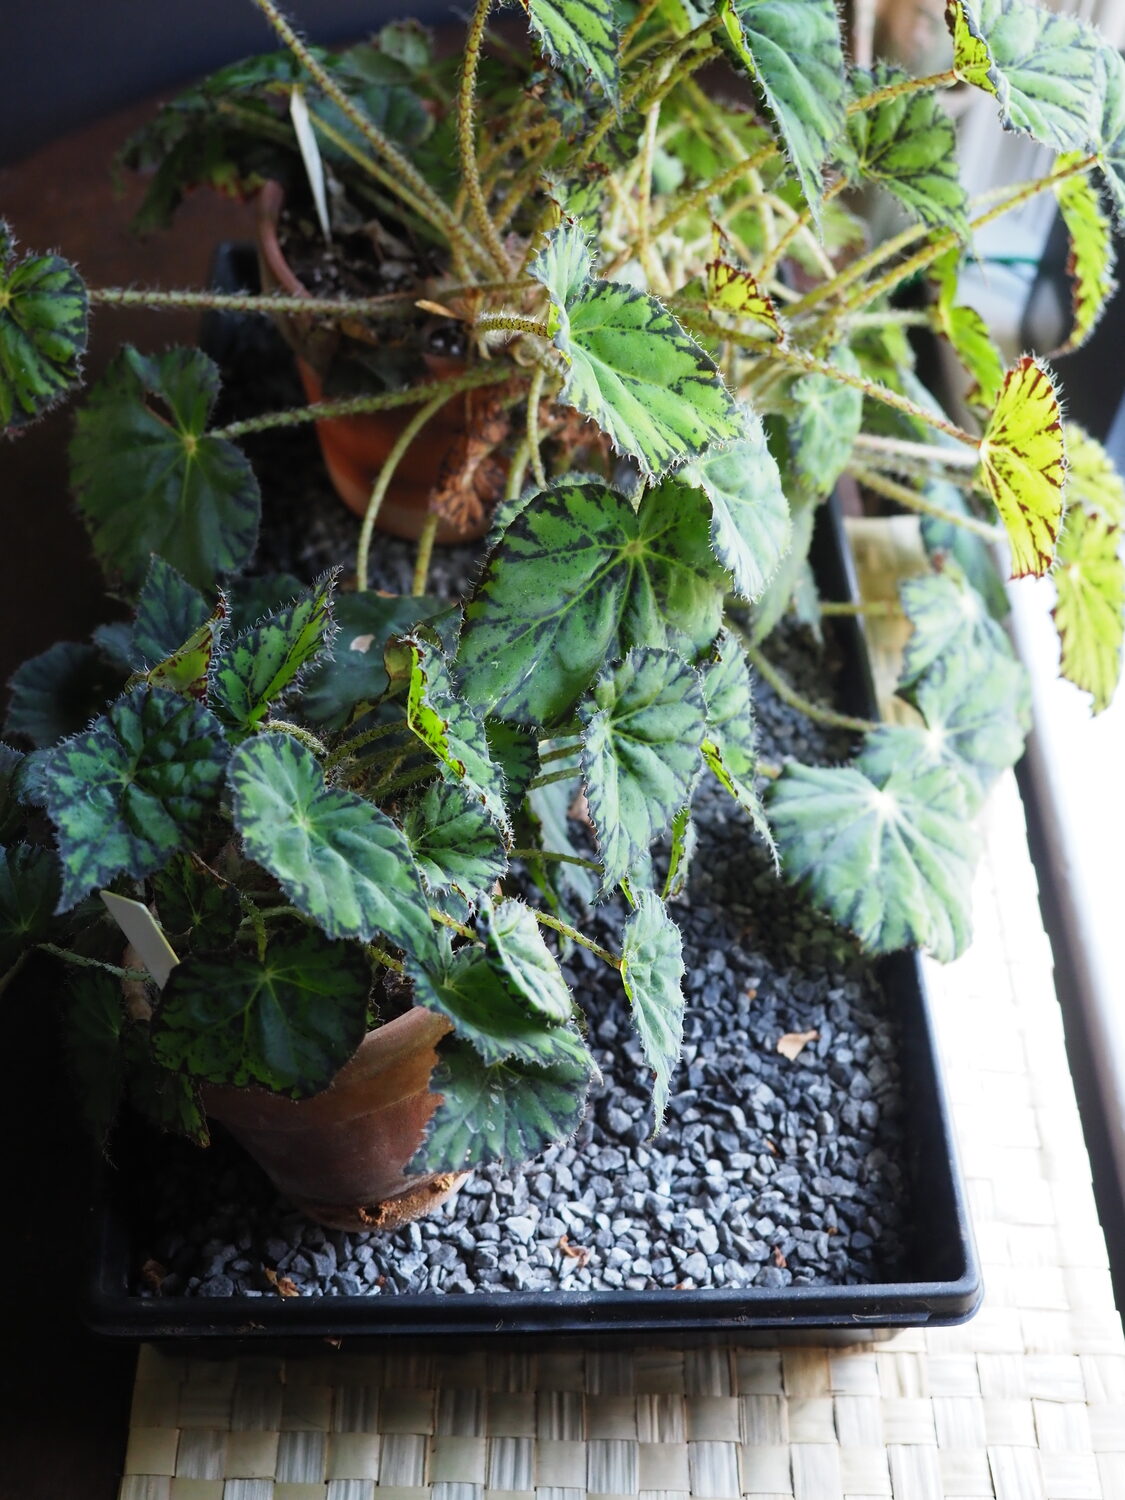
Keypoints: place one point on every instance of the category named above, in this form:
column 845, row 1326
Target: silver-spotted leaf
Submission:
column 133, row 789
column 43, row 315
column 268, row 660
column 59, row 691
column 794, row 52
column 640, row 752
column 339, row 860
column 948, row 618
column 578, row 34
column 750, row 526
column 288, row 1021
column 729, row 744
column 652, row 971
column 150, row 478
column 1046, row 70
column 525, row 963
column 455, row 843
column 577, row 578
column 29, row 893
column 169, row 612
column 631, row 367
column 506, row 1112
column 1092, row 258
column 1089, row 612
column 907, row 144
column 1023, row 465
column 891, row 858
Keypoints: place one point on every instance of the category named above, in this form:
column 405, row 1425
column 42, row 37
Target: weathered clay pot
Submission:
column 355, row 448
column 340, row 1156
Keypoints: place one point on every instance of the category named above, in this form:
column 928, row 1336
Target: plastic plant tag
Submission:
column 144, row 932
column 310, row 155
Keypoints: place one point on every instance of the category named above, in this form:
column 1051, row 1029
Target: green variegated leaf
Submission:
column 967, row 331
column 475, row 992
column 890, row 857
column 821, row 434
column 578, row 578
column 547, row 807
column 169, row 612
column 43, row 311
column 194, row 906
column 1092, row 255
column 947, row 542
column 515, row 752
column 578, row 34
column 728, row 747
column 268, row 660
column 1091, row 477
column 12, row 763
column 632, row 368
column 59, row 691
column 1047, row 71
column 750, row 524
column 907, row 144
column 977, row 709
column 29, row 893
column 787, row 582
column 188, row 669
column 288, row 1021
column 455, row 843
column 170, row 1101
column 524, row 962
column 640, row 752
column 150, row 478
column 1023, row 465
column 445, row 723
column 733, row 292
column 652, row 971
column 252, row 599
column 1089, row 614
column 793, row 50
column 680, row 854
column 948, row 617
column 133, row 789
column 93, row 1020
column 339, row 860
column 354, row 674
column 1110, row 138
column 504, row 1113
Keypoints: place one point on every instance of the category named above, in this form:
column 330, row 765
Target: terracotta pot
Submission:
column 340, row 1156
column 355, row 448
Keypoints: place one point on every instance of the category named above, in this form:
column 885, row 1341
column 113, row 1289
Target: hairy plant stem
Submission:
column 404, row 780
column 70, row 957
column 252, row 302
column 644, row 10
column 518, row 470
column 700, row 197
column 890, row 489
column 359, row 741
column 789, row 695
column 382, row 484
column 466, row 138
column 526, row 178
column 381, row 956
column 553, row 854
column 425, row 554
column 568, row 773
column 534, row 396
column 831, row 607
column 577, row 937
column 445, row 920
column 801, row 222
column 928, row 453
column 294, row 731
column 560, row 752
column 943, row 80
column 511, row 323
column 356, row 406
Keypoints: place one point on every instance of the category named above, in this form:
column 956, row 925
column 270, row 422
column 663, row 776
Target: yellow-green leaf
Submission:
column 732, row 290
column 1023, row 465
column 1090, row 613
column 1091, row 479
column 972, row 60
column 1091, row 261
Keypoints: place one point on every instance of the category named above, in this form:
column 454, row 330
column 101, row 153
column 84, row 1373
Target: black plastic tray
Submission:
column 944, row 1285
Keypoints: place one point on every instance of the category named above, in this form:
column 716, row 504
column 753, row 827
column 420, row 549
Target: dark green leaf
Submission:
column 908, row 145
column 194, row 906
column 750, row 525
column 289, row 1021
column 455, row 843
column 890, row 857
column 354, row 673
column 504, row 1113
column 11, row 764
column 578, row 34
column 133, row 789
column 150, row 478
column 729, row 743
column 524, row 962
column 516, row 752
column 474, row 989
column 29, row 893
column 794, row 52
column 342, row 862
column 577, row 579
column 93, row 1020
column 948, row 618
column 43, row 310
column 169, row 611
column 168, row 1100
column 652, row 971
column 59, row 691
column 267, row 661
column 633, row 369
column 640, row 752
